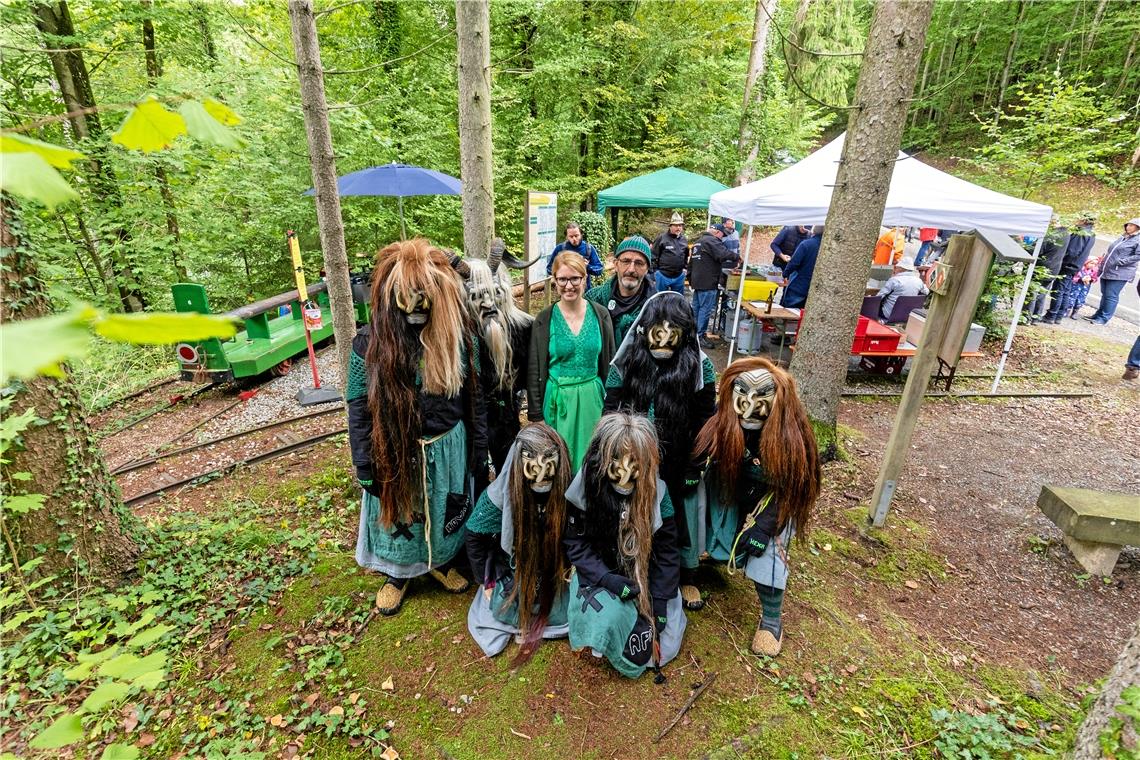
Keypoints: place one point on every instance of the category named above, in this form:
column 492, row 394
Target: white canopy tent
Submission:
column 919, row 195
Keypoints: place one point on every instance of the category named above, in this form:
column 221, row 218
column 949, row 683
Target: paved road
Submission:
column 1129, row 308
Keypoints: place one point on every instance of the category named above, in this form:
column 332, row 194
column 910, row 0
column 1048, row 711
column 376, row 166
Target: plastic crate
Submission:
column 758, row 290
column 876, row 337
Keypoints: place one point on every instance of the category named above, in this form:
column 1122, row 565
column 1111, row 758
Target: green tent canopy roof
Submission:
column 666, row 188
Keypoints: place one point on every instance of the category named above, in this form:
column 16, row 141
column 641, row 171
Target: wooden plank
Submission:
column 1089, row 515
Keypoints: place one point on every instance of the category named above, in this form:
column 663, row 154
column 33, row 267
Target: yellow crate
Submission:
column 758, row 290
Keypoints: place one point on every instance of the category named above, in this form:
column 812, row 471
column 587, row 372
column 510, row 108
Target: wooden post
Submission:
column 947, row 323
column 527, row 252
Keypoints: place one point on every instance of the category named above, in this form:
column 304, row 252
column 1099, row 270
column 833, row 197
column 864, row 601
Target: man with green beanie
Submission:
column 624, row 294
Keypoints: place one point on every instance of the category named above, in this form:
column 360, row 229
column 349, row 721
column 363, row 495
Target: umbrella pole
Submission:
column 740, row 293
column 403, row 232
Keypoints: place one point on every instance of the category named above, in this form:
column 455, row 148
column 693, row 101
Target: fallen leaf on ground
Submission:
column 390, row 754
column 911, row 584
column 309, row 700
column 277, row 720
column 145, row 740
column 337, row 710
column 388, row 685
column 859, row 711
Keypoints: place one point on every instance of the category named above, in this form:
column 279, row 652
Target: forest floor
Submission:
column 964, row 622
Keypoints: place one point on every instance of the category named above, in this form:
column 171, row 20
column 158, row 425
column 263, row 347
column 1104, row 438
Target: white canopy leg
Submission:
column 740, row 292
column 1017, row 306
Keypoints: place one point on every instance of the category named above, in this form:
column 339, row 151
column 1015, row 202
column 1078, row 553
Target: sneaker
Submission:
column 706, row 343
column 1098, row 321
column 1130, row 373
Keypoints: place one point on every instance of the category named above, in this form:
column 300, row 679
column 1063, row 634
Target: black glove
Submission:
column 371, row 486
column 620, row 586
column 660, row 616
column 755, row 541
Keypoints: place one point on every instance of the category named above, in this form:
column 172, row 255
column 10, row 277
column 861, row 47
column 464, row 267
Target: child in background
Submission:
column 1082, row 281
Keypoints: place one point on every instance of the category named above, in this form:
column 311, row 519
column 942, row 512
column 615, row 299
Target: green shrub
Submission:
column 596, row 230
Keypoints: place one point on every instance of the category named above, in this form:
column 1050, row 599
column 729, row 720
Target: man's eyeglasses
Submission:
column 572, row 281
column 636, row 262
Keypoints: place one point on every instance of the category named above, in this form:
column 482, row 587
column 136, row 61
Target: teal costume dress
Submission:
column 453, row 434
column 573, row 401
column 491, row 546
column 603, row 622
column 623, row 313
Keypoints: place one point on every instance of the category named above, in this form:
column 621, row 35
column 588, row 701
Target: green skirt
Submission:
column 402, row 551
column 573, row 406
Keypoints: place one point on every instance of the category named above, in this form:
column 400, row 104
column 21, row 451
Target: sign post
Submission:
column 541, row 236
column 310, row 320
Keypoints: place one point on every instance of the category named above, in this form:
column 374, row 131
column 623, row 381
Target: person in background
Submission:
column 1082, row 283
column 1132, row 364
column 625, row 293
column 1081, row 240
column 732, row 239
column 708, row 258
column 798, row 272
column 571, row 345
column 1117, row 268
column 785, row 242
column 576, row 242
column 926, row 237
column 670, row 256
column 1051, row 258
column 904, row 282
column 889, row 248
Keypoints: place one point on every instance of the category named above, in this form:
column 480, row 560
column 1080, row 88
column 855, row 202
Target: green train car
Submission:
column 267, row 344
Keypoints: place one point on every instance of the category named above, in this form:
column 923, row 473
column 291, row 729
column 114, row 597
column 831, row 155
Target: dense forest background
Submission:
column 586, row 94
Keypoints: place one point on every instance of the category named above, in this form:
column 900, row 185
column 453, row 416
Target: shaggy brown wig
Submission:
column 620, row 528
column 394, row 353
column 787, row 452
column 540, row 561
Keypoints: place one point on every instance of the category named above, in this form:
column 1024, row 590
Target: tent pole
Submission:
column 740, row 291
column 1017, row 307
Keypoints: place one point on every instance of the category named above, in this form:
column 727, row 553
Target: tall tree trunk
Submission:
column 53, row 19
column 1126, row 69
column 753, row 88
column 1125, row 673
column 323, row 163
column 202, row 15
column 1010, row 52
column 93, row 251
column 473, row 29
column 78, row 256
column 153, row 73
column 795, row 35
column 1090, row 38
column 874, row 133
column 83, row 522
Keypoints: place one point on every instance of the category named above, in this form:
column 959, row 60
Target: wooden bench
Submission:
column 1095, row 524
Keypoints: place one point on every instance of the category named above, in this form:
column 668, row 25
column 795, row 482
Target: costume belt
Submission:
column 572, row 380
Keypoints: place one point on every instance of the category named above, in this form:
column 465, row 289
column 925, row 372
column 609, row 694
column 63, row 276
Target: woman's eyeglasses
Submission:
column 562, row 282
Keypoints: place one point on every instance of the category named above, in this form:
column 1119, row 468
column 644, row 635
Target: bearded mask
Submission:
column 484, row 300
column 662, row 339
column 416, row 306
column 622, row 473
column 753, row 394
column 539, row 467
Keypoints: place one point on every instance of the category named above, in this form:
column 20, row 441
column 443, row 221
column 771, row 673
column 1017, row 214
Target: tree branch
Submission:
column 334, row 72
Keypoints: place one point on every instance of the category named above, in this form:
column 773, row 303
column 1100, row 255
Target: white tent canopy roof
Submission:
column 920, row 196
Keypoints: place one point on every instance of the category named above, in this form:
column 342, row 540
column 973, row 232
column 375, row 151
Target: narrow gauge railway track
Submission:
column 170, row 404
column 207, row 458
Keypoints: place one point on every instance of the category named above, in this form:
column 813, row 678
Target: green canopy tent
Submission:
column 665, row 188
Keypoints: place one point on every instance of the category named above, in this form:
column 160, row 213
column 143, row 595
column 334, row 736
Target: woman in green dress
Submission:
column 571, row 346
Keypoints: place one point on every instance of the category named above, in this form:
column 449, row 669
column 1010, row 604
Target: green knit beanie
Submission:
column 635, row 243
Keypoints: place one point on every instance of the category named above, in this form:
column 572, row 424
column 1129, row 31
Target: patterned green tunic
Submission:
column 574, row 392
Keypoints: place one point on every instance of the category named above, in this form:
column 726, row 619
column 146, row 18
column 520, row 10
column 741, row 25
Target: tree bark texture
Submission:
column 202, row 14
column 83, row 523
column 53, row 19
column 323, row 163
column 1010, row 52
column 874, row 133
column 1125, row 673
column 753, row 87
column 153, row 74
column 473, row 27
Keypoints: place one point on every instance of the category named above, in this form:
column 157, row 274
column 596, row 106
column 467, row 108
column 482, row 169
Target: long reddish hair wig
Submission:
column 787, row 449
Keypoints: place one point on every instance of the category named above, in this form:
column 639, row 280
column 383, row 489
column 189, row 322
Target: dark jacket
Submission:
column 538, row 364
column 583, row 249
column 670, row 254
column 799, row 272
column 786, row 241
column 1121, row 258
column 708, row 257
column 503, row 404
column 1054, row 248
column 1081, row 241
column 438, row 414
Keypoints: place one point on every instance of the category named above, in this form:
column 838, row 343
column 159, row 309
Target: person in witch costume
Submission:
column 622, row 541
column 504, row 332
column 514, row 543
column 762, row 480
column 417, row 427
column 660, row 371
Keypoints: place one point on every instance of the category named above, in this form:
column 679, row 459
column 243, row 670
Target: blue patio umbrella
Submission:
column 398, row 180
